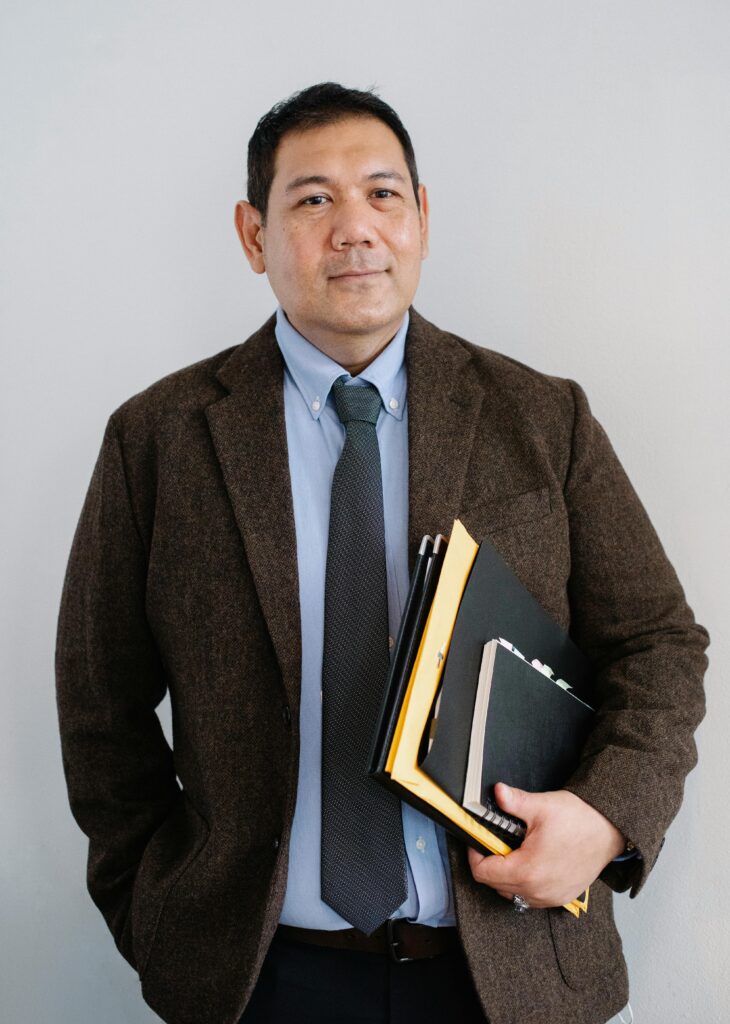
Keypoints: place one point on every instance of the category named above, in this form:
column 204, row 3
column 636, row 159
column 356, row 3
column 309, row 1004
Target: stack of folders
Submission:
column 484, row 687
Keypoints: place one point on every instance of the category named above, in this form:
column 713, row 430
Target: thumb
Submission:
column 517, row 802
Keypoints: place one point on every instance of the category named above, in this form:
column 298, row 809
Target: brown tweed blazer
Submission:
column 183, row 575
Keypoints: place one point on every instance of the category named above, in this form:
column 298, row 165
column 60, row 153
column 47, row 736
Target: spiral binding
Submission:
column 505, row 823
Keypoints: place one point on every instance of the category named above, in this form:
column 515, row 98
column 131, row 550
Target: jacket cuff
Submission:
column 626, row 872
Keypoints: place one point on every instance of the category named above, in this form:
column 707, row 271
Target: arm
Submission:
column 109, row 680
column 629, row 615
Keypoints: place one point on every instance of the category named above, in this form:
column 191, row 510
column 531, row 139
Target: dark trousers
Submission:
column 305, row 984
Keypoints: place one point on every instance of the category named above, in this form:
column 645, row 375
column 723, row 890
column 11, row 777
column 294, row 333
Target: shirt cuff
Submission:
column 629, row 855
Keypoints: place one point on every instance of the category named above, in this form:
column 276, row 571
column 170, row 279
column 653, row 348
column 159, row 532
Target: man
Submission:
column 245, row 543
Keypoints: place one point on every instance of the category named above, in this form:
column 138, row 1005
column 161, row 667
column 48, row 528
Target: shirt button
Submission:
column 316, row 404
column 420, row 843
column 394, row 403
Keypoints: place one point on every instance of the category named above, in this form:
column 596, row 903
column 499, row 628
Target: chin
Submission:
column 365, row 318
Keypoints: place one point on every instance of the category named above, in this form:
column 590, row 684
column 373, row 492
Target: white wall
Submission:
column 577, row 159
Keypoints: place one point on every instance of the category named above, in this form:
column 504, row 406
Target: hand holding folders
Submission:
column 529, row 726
column 568, row 843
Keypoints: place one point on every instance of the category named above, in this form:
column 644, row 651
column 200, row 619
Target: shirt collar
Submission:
column 314, row 373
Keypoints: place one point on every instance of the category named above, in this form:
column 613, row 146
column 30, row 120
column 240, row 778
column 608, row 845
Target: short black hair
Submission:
column 314, row 107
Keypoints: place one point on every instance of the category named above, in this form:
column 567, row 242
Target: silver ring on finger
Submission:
column 520, row 904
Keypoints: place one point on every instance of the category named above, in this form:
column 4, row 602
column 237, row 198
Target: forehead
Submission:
column 352, row 144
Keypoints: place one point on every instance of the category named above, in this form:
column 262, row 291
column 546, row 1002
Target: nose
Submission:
column 352, row 224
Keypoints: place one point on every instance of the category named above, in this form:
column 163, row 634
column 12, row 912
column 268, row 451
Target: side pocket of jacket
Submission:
column 589, row 945
column 171, row 851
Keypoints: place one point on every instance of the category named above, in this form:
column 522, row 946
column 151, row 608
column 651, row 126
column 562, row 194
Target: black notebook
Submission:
column 527, row 729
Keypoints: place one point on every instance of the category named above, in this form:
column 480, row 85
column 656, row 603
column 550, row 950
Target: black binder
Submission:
column 422, row 588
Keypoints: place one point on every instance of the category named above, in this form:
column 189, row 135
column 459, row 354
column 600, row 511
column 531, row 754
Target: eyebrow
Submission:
column 321, row 179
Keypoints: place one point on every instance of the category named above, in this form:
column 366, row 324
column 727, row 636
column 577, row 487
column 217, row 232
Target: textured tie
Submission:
column 363, row 856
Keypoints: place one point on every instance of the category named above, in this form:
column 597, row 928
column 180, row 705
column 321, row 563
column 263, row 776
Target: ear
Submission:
column 423, row 196
column 250, row 233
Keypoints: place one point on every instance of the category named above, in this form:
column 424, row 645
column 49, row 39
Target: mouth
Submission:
column 352, row 275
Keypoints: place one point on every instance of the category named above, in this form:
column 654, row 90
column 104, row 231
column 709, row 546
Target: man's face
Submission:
column 344, row 238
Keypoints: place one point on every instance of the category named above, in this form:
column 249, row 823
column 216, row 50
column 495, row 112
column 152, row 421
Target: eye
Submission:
column 312, row 200
column 383, row 193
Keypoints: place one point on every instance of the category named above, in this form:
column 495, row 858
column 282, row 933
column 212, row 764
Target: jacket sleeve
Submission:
column 109, row 680
column 629, row 615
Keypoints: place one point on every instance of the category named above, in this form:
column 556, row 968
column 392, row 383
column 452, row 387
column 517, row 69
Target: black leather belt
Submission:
column 399, row 939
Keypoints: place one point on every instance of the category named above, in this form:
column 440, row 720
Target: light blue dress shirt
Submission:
column 315, row 438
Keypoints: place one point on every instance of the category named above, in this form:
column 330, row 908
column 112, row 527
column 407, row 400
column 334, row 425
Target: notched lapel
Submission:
column 249, row 436
column 444, row 402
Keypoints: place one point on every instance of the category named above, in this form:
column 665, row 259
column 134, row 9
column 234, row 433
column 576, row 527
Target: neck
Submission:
column 353, row 352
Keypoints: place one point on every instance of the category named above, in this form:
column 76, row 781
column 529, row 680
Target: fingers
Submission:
column 515, row 873
column 501, row 873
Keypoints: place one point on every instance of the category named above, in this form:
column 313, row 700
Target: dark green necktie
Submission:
column 363, row 856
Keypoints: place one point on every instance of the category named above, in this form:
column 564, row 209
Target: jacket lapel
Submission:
column 249, row 435
column 444, row 401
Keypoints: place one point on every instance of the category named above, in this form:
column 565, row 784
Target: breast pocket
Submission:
column 497, row 512
column 531, row 531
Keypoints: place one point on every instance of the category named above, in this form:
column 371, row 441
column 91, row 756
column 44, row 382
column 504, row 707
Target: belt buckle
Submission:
column 393, row 942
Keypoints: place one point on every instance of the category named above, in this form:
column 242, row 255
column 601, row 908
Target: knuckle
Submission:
column 483, row 874
column 532, row 877
column 477, row 870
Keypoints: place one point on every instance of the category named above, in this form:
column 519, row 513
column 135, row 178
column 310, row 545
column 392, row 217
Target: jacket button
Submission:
column 286, row 714
column 275, row 843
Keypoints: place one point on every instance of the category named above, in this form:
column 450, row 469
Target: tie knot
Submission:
column 356, row 403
